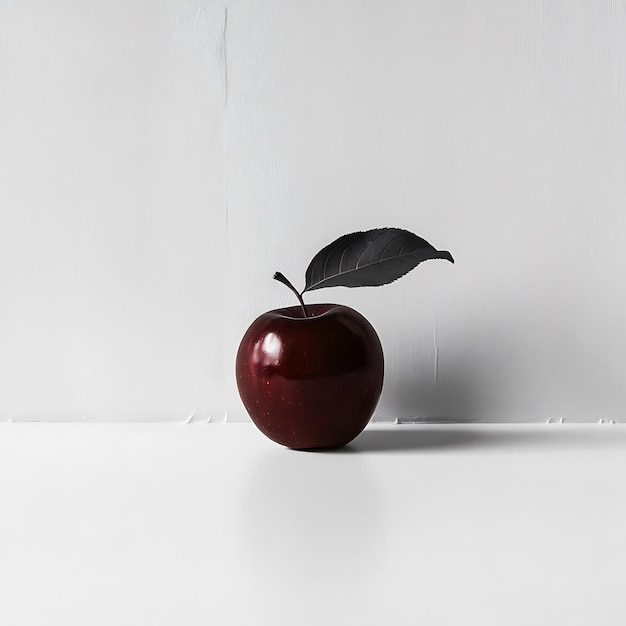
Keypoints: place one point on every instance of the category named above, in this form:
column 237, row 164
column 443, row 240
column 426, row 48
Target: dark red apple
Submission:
column 310, row 382
column 311, row 377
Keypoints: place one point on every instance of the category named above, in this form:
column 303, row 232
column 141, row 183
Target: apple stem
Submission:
column 281, row 278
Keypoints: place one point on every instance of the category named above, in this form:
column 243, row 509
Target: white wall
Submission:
column 159, row 160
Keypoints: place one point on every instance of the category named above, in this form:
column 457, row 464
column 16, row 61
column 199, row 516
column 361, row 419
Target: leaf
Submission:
column 369, row 259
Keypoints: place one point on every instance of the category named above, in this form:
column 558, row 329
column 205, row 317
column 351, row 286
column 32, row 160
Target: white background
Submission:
column 159, row 160
column 162, row 524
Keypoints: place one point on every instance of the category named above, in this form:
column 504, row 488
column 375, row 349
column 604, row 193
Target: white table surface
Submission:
column 130, row 524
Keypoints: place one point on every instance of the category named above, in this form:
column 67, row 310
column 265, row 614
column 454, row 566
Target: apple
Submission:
column 310, row 378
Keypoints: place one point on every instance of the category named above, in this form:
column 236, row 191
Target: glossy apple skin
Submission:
column 311, row 382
